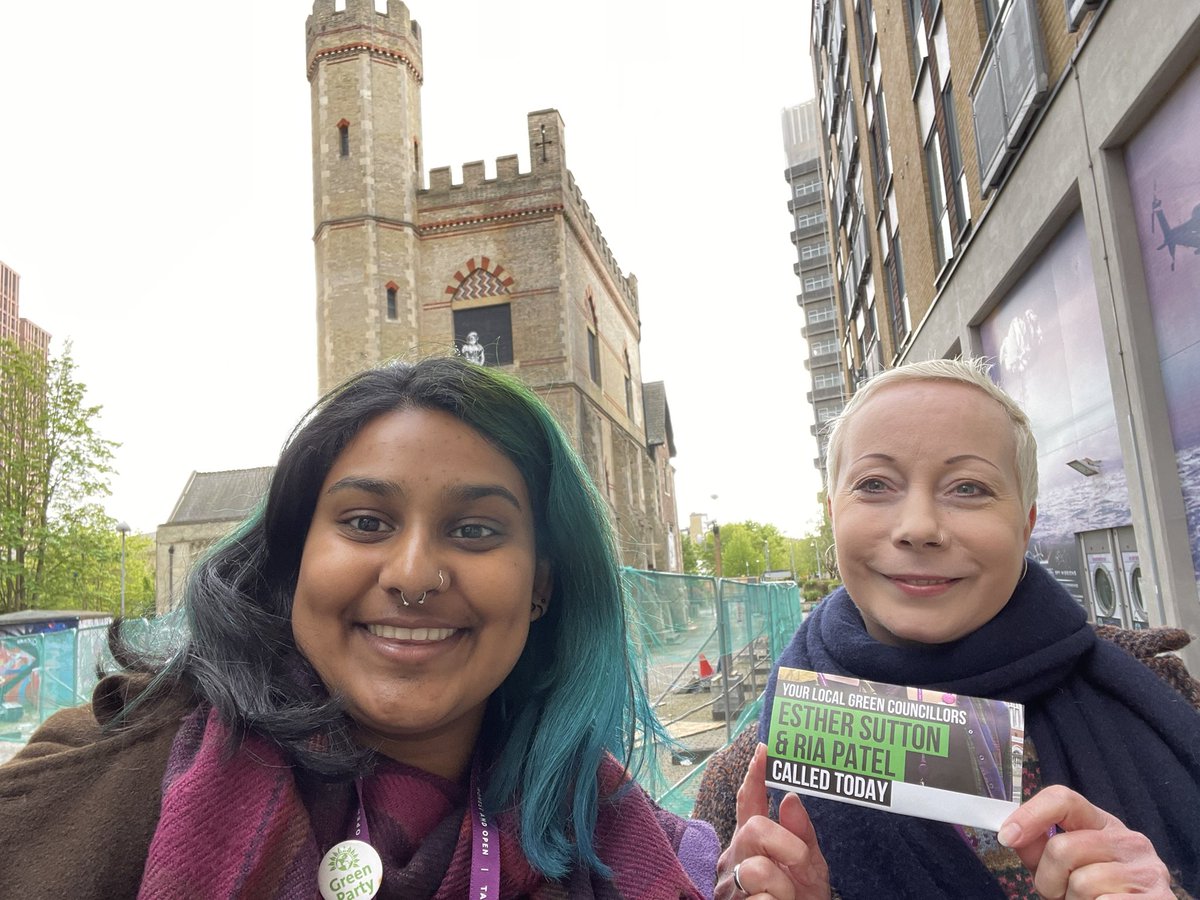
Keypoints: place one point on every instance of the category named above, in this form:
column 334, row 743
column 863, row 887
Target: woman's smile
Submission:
column 927, row 513
column 922, row 585
column 419, row 635
column 418, row 581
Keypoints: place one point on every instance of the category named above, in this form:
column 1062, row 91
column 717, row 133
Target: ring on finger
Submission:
column 737, row 880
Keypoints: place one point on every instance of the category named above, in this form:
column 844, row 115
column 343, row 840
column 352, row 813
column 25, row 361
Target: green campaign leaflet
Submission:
column 915, row 751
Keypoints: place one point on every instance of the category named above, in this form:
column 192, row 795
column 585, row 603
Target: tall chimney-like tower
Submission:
column 365, row 72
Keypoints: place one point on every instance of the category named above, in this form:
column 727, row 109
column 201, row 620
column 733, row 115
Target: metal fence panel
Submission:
column 707, row 646
column 45, row 672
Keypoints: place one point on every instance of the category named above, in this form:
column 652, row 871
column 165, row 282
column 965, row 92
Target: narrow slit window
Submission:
column 391, row 303
column 593, row 356
column 344, row 137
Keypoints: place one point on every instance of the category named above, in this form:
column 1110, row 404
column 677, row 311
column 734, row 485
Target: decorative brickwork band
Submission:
column 445, row 224
column 349, row 49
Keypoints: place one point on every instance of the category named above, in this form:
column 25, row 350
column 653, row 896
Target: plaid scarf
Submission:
column 252, row 825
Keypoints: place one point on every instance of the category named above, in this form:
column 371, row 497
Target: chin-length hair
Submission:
column 574, row 693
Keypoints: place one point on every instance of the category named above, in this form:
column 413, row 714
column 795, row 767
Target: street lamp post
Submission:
column 123, row 527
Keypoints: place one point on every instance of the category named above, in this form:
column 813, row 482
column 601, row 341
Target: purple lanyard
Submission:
column 361, row 831
column 485, row 849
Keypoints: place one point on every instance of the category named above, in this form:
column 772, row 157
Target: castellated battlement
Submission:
column 511, row 193
column 475, row 176
column 362, row 12
column 584, row 213
column 394, row 33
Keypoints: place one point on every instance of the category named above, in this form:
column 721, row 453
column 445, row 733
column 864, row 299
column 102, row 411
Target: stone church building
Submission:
column 512, row 271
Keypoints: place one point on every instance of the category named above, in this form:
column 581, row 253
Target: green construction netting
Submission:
column 706, row 646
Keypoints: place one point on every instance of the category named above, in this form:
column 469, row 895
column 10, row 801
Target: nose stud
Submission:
column 421, row 600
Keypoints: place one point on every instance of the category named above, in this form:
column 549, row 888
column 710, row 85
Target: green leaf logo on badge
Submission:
column 351, row 869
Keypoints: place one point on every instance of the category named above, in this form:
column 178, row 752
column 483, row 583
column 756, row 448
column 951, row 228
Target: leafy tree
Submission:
column 83, row 565
column 52, row 465
column 745, row 547
column 691, row 557
column 814, row 552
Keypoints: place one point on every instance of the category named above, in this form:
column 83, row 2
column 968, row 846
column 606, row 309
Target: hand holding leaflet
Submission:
column 1076, row 849
column 780, row 860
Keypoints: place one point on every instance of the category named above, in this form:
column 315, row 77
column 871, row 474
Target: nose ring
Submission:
column 424, row 594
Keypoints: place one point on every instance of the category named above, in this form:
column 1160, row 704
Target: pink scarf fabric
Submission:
column 251, row 825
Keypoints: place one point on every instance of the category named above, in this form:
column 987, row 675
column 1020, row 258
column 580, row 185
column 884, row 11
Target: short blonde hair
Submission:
column 973, row 372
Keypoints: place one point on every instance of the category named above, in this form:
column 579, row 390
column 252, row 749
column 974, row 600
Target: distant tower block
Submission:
column 365, row 73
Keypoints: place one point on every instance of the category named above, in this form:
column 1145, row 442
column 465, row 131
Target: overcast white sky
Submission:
column 155, row 197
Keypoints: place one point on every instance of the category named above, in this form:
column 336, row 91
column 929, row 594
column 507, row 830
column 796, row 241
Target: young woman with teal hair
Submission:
column 409, row 674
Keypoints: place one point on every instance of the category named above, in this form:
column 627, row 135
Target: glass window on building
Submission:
column 593, row 356
column 489, row 326
column 821, row 314
column 937, row 199
column 807, row 187
column 958, row 175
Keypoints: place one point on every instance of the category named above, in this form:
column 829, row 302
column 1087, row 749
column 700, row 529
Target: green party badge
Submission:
column 916, row 751
column 351, row 869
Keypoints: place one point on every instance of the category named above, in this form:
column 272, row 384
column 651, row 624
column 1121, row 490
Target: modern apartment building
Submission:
column 12, row 326
column 1018, row 179
column 802, row 146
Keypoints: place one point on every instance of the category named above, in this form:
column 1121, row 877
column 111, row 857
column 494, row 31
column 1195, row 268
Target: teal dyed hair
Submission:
column 572, row 696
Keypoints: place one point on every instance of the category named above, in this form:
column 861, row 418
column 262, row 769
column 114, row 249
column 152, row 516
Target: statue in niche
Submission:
column 472, row 350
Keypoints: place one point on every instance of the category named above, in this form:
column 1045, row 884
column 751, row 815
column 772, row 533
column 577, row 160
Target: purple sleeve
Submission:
column 698, row 852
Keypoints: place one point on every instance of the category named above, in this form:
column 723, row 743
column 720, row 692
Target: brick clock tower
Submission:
column 512, row 270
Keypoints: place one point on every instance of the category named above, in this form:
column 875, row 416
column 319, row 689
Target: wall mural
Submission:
column 1048, row 349
column 1164, row 178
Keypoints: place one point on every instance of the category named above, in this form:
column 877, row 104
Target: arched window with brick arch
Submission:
column 343, row 128
column 479, row 301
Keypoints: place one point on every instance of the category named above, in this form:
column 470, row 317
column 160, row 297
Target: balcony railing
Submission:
column 827, row 393
column 1008, row 88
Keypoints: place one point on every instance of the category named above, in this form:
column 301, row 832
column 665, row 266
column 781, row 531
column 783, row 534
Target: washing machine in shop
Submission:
column 1131, row 566
column 1104, row 585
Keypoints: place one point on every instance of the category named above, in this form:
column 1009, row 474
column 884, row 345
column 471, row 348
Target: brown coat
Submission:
column 79, row 805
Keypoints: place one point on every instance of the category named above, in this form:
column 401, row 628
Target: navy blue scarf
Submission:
column 1101, row 723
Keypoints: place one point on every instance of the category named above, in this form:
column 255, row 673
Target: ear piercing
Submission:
column 421, row 600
